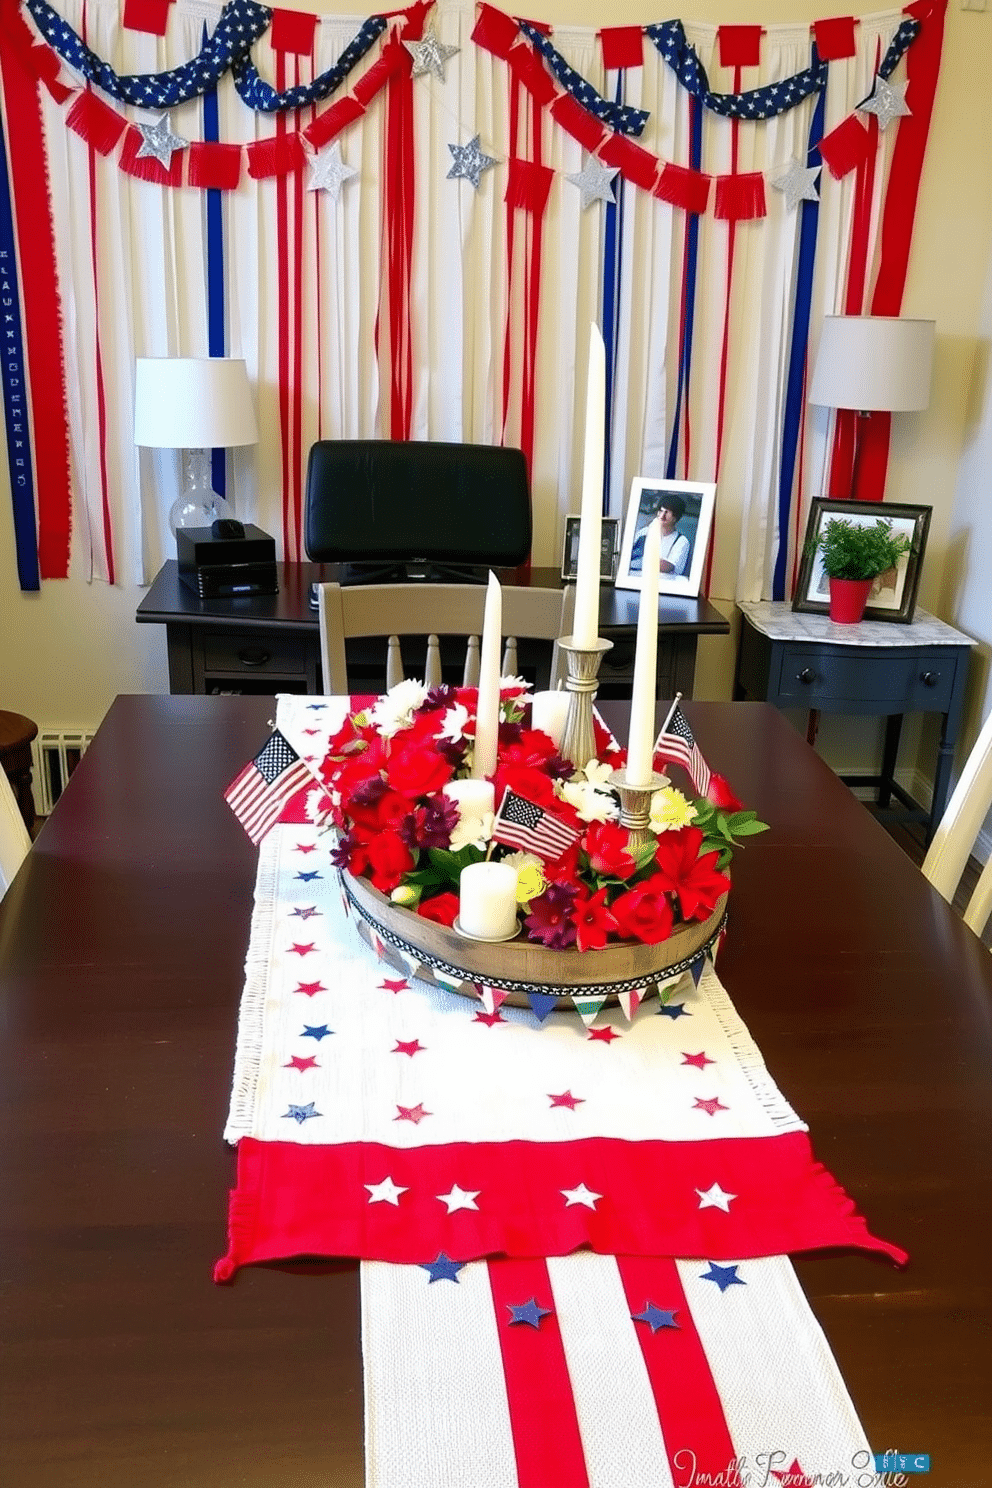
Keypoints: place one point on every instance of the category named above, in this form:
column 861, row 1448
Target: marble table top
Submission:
column 777, row 620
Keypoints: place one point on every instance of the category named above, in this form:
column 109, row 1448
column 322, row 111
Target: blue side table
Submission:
column 797, row 660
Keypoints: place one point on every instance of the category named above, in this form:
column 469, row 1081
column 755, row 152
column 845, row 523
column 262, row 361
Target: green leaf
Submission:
column 751, row 829
column 450, row 864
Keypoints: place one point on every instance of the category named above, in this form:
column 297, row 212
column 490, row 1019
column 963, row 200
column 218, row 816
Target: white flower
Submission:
column 513, row 684
column 591, row 803
column 475, row 829
column 453, row 723
column 394, row 711
column 670, row 810
column 597, row 772
column 318, row 805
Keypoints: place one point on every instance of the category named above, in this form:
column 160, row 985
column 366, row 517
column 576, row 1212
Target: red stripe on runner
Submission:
column 697, row 1438
column 43, row 326
column 545, row 1427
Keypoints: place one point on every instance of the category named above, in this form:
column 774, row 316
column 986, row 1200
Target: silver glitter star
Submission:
column 797, row 184
column 158, row 141
column 429, row 55
column 470, row 162
column 328, row 171
column 593, row 180
column 887, row 102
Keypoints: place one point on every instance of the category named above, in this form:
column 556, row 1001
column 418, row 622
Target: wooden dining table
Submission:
column 122, row 944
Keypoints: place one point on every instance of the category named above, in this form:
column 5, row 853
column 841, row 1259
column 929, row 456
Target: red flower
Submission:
column 593, row 921
column 720, row 795
column 695, row 880
column 416, row 771
column 385, row 814
column 531, row 748
column 608, row 848
column 645, row 912
column 389, row 858
column 442, row 909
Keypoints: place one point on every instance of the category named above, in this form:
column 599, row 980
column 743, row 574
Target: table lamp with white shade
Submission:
column 195, row 404
column 873, row 364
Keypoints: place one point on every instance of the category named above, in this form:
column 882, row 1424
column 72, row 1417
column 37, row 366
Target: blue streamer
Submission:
column 691, row 262
column 612, row 261
column 216, row 308
column 13, row 374
column 792, row 419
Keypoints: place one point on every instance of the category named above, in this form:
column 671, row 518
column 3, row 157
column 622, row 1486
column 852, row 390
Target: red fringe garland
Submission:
column 146, row 167
column 528, row 185
column 688, row 189
column 740, row 46
column 214, row 166
column 634, row 163
column 393, row 62
column 528, row 67
column 846, row 147
column 151, row 16
column 332, row 121
column 835, row 38
column 740, row 198
column 495, row 31
column 275, row 157
column 95, row 122
column 623, row 46
column 572, row 117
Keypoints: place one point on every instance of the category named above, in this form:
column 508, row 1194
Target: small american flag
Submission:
column 258, row 794
column 677, row 745
column 522, row 823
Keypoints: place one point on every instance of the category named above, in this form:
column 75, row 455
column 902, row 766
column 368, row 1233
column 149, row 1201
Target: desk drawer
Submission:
column 919, row 680
column 243, row 653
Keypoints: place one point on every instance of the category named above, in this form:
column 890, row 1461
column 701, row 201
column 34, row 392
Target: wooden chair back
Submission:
column 434, row 610
column 14, row 838
column 959, row 827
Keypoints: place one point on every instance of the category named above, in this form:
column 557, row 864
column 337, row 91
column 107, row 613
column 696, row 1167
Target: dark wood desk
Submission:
column 122, row 943
column 270, row 643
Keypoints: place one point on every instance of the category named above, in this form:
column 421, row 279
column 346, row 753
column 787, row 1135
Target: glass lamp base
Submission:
column 198, row 508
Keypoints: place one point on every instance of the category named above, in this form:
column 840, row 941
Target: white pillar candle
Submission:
column 640, row 747
column 472, row 797
column 548, row 712
column 585, row 627
column 487, row 711
column 487, row 901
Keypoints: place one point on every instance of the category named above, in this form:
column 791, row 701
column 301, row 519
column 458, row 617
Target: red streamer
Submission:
column 623, row 46
column 398, row 212
column 740, row 46
column 528, row 185
column 740, row 198
column 331, row 122
column 531, row 71
column 495, row 31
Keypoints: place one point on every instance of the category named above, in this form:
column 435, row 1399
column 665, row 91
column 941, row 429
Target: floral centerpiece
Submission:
column 396, row 825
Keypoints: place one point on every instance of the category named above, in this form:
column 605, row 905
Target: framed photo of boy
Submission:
column 608, row 551
column 893, row 594
column 685, row 509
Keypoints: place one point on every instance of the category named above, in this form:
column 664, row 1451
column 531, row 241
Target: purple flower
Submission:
column 559, row 768
column 369, row 791
column 430, row 825
column 550, row 917
column 341, row 853
column 437, row 698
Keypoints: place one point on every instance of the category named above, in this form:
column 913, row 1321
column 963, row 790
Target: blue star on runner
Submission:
column 442, row 1268
column 299, row 1114
column 674, row 1010
column 309, row 877
column 528, row 1312
column 316, row 1031
column 655, row 1317
column 724, row 1276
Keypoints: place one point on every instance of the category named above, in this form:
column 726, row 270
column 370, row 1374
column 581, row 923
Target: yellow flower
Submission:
column 670, row 810
column 530, row 875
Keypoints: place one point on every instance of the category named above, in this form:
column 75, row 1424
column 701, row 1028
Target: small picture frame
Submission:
column 570, row 552
column 686, row 526
column 893, row 594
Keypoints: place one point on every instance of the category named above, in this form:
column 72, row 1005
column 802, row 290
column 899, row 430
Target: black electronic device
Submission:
column 416, row 509
column 227, row 563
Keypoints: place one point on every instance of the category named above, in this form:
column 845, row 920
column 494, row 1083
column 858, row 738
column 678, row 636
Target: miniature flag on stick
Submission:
column 258, row 794
column 675, row 744
column 522, row 823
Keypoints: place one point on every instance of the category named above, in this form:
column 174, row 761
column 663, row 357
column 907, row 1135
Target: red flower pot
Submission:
column 848, row 598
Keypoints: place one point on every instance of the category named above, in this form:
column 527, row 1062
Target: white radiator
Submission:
column 56, row 755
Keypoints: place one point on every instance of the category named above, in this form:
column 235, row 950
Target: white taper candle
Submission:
column 585, row 627
column 640, row 748
column 487, row 712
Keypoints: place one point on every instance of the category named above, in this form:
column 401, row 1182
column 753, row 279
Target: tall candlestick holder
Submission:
column 635, row 804
column 578, row 743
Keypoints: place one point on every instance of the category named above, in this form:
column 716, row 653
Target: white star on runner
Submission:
column 328, row 171
column 386, row 1192
column 887, row 102
column 715, row 1198
column 580, row 1195
column 158, row 142
column 594, row 181
column 797, row 184
column 459, row 1198
column 429, row 55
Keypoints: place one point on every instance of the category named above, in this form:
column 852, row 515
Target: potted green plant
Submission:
column 853, row 556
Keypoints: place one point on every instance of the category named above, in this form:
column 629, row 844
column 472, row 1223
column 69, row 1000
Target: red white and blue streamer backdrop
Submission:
column 416, row 305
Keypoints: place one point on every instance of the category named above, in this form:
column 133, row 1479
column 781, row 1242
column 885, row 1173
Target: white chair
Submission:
column 14, row 838
column 395, row 610
column 954, row 839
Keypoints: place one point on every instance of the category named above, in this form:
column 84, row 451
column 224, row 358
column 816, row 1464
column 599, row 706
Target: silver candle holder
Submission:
column 578, row 743
column 635, row 804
